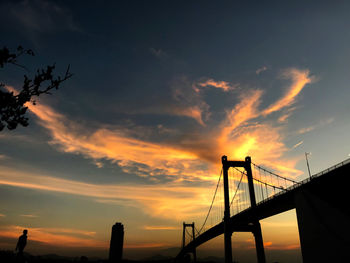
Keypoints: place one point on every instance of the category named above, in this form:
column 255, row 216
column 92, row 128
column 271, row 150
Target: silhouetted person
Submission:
column 22, row 242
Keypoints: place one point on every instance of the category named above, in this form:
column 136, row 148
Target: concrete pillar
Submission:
column 323, row 226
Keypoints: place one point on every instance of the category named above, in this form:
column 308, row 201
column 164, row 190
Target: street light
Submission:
column 307, row 162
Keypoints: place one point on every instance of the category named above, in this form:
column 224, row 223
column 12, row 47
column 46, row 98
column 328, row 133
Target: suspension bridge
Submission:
column 247, row 193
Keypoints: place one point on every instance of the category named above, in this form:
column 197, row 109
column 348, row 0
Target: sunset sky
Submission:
column 161, row 90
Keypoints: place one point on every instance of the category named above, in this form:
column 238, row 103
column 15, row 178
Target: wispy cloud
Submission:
column 29, row 216
column 194, row 112
column 259, row 70
column 297, row 144
column 299, row 79
column 42, row 16
column 306, row 129
column 269, row 245
column 147, row 245
column 312, row 127
column 161, row 228
column 37, row 18
column 241, row 133
column 283, row 247
column 159, row 53
column 2, row 215
column 224, row 85
column 146, row 158
column 195, row 156
column 189, row 102
column 169, row 200
column 286, row 113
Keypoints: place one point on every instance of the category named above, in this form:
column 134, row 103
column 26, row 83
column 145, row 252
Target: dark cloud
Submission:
column 34, row 18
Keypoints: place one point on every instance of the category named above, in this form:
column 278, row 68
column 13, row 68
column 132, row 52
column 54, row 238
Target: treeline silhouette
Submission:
column 9, row 256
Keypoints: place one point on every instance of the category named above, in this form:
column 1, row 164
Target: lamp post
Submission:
column 307, row 163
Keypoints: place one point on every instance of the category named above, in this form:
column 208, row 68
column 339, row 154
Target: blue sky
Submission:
column 161, row 90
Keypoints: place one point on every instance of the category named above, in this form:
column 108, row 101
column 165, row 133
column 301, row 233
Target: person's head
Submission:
column 25, row 231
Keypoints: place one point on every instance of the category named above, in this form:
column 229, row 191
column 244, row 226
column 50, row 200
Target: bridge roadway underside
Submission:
column 323, row 212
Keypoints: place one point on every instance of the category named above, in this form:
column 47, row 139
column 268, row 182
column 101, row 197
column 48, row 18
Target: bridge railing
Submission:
column 347, row 161
column 331, row 168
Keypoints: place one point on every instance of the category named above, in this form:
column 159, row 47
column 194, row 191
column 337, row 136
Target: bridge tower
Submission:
column 193, row 238
column 259, row 244
column 255, row 224
column 227, row 231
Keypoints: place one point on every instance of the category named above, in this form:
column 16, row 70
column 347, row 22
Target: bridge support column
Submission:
column 259, row 244
column 227, row 230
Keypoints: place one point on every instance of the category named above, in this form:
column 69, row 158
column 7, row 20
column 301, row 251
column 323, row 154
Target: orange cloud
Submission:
column 193, row 157
column 147, row 245
column 268, row 244
column 29, row 216
column 282, row 247
column 194, row 112
column 225, row 86
column 244, row 111
column 245, row 133
column 169, row 200
column 116, row 146
column 299, row 79
column 297, row 144
column 242, row 136
column 236, row 137
column 286, row 114
column 161, row 228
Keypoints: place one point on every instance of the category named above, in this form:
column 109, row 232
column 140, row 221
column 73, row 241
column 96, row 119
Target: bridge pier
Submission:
column 259, row 244
column 323, row 222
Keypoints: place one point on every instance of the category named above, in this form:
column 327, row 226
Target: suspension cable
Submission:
column 188, row 233
column 271, row 185
column 295, row 182
column 240, row 180
column 212, row 202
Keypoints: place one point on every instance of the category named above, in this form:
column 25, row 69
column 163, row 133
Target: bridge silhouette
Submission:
column 321, row 202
